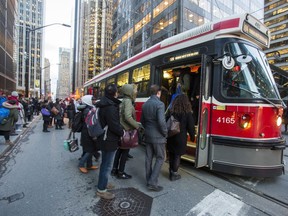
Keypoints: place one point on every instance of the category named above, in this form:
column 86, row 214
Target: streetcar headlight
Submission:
column 279, row 121
column 245, row 121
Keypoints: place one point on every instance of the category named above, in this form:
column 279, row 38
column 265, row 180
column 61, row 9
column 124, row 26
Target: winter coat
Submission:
column 109, row 115
column 12, row 118
column 127, row 110
column 153, row 120
column 178, row 143
column 71, row 110
column 60, row 113
column 87, row 143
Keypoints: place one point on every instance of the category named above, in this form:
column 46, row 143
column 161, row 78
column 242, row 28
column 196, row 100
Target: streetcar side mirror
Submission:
column 244, row 59
column 228, row 62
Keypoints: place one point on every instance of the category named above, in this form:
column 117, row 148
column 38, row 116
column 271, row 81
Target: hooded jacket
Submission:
column 127, row 110
column 109, row 115
column 12, row 118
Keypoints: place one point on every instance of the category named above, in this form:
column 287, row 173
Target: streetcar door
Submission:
column 202, row 148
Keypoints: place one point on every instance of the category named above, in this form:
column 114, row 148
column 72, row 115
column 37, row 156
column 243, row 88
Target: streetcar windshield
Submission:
column 250, row 76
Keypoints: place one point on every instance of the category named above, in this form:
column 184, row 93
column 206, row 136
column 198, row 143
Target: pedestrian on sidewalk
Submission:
column 109, row 142
column 46, row 116
column 153, row 120
column 12, row 118
column 128, row 121
column 89, row 145
column 176, row 145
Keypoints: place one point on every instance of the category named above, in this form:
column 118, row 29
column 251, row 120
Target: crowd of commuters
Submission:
column 118, row 116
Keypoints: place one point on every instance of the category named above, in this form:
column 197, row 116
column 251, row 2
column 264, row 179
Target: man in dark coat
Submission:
column 109, row 142
column 153, row 120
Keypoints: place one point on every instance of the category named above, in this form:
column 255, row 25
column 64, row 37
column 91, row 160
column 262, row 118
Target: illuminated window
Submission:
column 143, row 22
column 165, row 21
column 111, row 80
column 162, row 6
column 123, row 79
column 141, row 77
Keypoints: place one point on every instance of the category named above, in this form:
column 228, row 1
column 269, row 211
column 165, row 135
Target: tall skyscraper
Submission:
column 276, row 19
column 31, row 14
column 8, row 44
column 95, row 37
column 63, row 84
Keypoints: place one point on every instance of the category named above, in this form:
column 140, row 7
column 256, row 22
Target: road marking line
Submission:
column 218, row 203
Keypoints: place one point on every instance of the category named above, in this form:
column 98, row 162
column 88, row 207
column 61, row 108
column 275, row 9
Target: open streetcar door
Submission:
column 202, row 146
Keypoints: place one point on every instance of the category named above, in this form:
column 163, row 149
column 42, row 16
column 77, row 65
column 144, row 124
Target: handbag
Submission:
column 71, row 144
column 129, row 139
column 173, row 126
column 54, row 110
column 45, row 112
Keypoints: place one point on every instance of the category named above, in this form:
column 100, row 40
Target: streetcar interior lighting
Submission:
column 245, row 121
column 279, row 121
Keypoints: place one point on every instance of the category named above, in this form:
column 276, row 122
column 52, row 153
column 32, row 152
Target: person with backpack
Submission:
column 109, row 141
column 127, row 120
column 89, row 145
column 7, row 126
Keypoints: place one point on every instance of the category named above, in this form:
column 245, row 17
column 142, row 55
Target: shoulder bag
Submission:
column 173, row 126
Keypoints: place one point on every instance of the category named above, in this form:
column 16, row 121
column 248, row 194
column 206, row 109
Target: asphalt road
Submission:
column 38, row 177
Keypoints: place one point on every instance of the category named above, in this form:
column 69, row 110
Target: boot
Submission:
column 174, row 176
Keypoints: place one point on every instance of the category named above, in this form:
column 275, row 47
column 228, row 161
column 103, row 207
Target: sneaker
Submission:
column 105, row 195
column 110, row 186
column 92, row 168
column 8, row 142
column 18, row 130
column 155, row 188
column 83, row 170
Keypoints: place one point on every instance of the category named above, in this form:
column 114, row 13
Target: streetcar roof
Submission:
column 206, row 32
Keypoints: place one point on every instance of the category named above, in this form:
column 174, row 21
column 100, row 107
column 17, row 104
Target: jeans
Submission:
column 86, row 158
column 105, row 169
column 157, row 150
column 120, row 159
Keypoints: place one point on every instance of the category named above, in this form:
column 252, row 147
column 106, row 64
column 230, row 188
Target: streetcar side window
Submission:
column 141, row 77
column 122, row 79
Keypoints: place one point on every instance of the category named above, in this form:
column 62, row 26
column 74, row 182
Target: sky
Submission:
column 56, row 36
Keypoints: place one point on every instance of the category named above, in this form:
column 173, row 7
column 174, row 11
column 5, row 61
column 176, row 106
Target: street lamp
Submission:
column 27, row 50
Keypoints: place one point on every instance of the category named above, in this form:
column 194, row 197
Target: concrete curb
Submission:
column 15, row 139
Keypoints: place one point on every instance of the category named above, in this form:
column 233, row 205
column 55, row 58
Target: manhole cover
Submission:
column 128, row 201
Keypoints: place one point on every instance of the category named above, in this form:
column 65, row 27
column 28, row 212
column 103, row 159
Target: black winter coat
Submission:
column 87, row 143
column 109, row 115
column 178, row 143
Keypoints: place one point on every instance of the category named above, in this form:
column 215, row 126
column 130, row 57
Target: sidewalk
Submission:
column 5, row 148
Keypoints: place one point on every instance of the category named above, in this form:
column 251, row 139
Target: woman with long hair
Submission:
column 176, row 145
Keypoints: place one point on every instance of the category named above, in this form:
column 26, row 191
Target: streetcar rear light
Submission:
column 279, row 120
column 245, row 121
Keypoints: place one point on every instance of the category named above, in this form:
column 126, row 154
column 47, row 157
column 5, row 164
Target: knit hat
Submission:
column 15, row 93
column 87, row 99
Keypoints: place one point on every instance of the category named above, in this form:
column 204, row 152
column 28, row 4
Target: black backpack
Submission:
column 77, row 123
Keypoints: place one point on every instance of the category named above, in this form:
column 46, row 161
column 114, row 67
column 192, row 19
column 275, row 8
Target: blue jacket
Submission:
column 153, row 120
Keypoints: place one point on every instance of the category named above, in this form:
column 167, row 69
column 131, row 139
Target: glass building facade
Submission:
column 276, row 18
column 95, row 34
column 31, row 13
column 8, row 44
column 137, row 25
column 63, row 84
